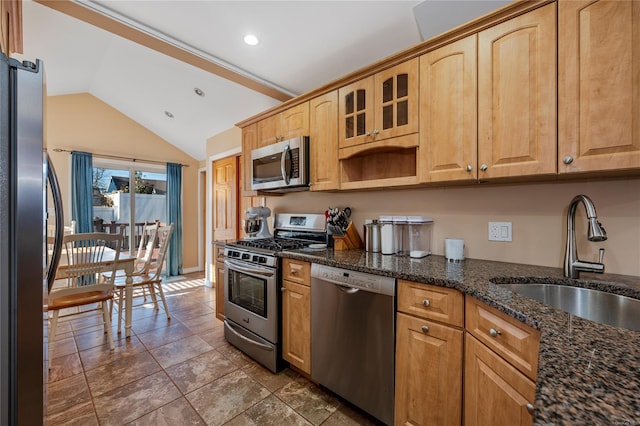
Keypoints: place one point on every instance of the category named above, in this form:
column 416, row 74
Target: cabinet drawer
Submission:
column 431, row 302
column 511, row 339
column 296, row 271
column 219, row 252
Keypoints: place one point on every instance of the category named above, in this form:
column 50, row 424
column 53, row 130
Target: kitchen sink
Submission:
column 594, row 305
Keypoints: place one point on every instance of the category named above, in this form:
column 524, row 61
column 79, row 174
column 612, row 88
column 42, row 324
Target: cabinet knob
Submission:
column 469, row 168
column 484, row 167
column 426, row 302
column 494, row 333
column 376, row 131
column 530, row 408
column 367, row 133
column 425, row 328
column 282, row 289
column 567, row 160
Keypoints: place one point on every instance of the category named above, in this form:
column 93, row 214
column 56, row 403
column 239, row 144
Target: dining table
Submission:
column 126, row 263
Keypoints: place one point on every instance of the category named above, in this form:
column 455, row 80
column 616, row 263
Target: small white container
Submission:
column 420, row 228
column 387, row 245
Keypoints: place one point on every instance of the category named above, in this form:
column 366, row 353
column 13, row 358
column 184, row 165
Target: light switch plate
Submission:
column 500, row 231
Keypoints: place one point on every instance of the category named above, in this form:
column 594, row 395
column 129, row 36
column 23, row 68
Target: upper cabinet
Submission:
column 380, row 107
column 288, row 124
column 598, row 85
column 323, row 147
column 249, row 143
column 448, row 112
column 517, row 96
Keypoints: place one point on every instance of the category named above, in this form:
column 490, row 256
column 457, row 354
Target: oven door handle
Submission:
column 246, row 339
column 254, row 271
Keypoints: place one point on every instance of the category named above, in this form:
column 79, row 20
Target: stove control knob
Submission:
column 254, row 259
column 245, row 256
column 262, row 259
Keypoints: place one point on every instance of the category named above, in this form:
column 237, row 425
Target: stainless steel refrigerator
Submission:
column 26, row 264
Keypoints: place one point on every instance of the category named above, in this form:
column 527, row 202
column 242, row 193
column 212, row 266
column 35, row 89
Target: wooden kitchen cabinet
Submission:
column 501, row 366
column 517, row 96
column 429, row 355
column 598, row 86
column 495, row 393
column 448, row 112
column 290, row 123
column 378, row 129
column 296, row 314
column 379, row 107
column 323, row 134
column 219, row 268
column 249, row 143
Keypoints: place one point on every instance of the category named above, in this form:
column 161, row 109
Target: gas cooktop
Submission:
column 274, row 244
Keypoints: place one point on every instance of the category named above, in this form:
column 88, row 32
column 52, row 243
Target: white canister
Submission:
column 387, row 245
column 454, row 249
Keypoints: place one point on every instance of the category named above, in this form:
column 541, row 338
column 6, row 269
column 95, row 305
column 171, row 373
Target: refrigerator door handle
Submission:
column 57, row 201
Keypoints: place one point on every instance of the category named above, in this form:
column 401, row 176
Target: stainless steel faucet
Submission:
column 572, row 265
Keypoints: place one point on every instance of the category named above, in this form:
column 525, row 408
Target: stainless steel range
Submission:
column 252, row 278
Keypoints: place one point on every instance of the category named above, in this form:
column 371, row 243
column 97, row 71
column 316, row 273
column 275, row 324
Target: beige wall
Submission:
column 537, row 211
column 229, row 140
column 83, row 122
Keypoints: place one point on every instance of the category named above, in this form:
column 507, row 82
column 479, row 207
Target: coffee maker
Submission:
column 255, row 224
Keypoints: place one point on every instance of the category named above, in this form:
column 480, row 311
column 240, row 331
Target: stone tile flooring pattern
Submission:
column 177, row 372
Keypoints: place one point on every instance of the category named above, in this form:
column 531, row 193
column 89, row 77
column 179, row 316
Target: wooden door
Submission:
column 495, row 393
column 448, row 112
column 355, row 113
column 396, row 101
column 598, row 85
column 296, row 325
column 428, row 373
column 323, row 132
column 294, row 122
column 225, row 207
column 517, row 96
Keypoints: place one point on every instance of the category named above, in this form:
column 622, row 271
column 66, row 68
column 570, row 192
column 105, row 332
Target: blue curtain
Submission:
column 82, row 191
column 174, row 215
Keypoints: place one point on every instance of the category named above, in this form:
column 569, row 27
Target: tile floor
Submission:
column 177, row 372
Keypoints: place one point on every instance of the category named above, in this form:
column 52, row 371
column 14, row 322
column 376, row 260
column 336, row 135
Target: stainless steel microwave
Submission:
column 282, row 166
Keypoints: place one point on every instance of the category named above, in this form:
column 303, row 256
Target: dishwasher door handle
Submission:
column 348, row 290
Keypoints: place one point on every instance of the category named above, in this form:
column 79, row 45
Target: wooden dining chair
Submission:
column 146, row 247
column 87, row 257
column 150, row 280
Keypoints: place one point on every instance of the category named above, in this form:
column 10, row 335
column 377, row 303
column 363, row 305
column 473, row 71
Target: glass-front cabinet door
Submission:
column 356, row 113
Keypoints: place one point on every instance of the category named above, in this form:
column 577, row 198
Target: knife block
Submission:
column 351, row 239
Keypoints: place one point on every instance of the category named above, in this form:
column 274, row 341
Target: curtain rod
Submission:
column 116, row 157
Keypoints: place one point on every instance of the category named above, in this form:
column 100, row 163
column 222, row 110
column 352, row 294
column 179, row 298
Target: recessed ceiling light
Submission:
column 251, row 40
column 198, row 91
column 168, row 114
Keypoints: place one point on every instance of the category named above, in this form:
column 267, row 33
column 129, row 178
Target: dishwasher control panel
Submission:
column 354, row 279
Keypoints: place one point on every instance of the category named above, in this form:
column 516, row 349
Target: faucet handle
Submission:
column 601, row 256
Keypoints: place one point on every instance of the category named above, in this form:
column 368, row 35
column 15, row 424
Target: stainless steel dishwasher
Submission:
column 353, row 337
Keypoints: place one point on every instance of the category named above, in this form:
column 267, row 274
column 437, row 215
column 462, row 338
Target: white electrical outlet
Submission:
column 500, row 231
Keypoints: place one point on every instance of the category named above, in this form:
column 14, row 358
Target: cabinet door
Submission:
column 396, row 101
column 294, row 122
column 249, row 143
column 355, row 125
column 268, row 131
column 296, row 325
column 448, row 111
column 517, row 96
column 598, row 85
column 323, row 135
column 495, row 393
column 428, row 373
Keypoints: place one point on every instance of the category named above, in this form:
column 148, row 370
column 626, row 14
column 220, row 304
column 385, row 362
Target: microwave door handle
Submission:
column 283, row 164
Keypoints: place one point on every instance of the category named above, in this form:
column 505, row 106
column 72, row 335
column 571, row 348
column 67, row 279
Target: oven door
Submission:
column 250, row 298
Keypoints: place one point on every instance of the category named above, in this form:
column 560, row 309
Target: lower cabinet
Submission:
column 495, row 393
column 428, row 355
column 296, row 314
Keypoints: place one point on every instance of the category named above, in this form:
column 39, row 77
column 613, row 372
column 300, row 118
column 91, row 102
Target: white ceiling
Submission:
column 304, row 45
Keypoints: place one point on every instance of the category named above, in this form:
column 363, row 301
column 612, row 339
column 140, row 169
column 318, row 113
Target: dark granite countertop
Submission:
column 588, row 373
